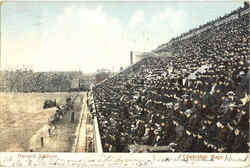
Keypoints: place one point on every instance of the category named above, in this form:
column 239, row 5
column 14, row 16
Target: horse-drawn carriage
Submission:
column 49, row 103
column 59, row 113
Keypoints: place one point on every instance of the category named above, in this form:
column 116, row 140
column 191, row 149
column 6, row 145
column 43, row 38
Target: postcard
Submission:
column 124, row 83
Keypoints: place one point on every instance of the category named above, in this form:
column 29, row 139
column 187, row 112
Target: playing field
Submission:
column 22, row 116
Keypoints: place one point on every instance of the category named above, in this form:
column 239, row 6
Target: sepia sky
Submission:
column 62, row 36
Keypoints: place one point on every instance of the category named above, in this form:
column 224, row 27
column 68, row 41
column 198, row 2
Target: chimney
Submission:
column 131, row 57
column 246, row 4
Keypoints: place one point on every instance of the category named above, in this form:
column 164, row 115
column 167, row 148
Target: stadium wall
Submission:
column 97, row 143
column 97, row 138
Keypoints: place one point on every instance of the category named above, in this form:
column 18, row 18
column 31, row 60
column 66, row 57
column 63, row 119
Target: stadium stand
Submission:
column 195, row 101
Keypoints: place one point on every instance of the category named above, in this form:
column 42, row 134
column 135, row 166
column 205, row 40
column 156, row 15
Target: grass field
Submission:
column 22, row 115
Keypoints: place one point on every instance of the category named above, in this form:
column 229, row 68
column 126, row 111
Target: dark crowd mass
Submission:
column 196, row 100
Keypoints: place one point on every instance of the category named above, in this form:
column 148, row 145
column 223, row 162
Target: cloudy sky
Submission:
column 87, row 36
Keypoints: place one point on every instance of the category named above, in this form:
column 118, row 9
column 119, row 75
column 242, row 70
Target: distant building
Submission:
column 102, row 75
column 84, row 84
column 74, row 85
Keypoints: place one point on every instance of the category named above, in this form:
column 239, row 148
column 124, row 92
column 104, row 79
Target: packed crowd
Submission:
column 195, row 101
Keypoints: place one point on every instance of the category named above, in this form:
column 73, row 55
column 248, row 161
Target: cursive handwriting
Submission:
column 115, row 160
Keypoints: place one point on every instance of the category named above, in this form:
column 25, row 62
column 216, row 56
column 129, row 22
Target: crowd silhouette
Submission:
column 197, row 100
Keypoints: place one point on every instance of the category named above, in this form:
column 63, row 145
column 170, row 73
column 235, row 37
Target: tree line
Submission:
column 26, row 80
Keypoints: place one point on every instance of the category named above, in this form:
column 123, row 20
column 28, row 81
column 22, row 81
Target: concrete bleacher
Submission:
column 200, row 105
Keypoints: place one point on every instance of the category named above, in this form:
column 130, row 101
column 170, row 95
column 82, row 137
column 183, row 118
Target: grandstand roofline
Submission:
column 202, row 26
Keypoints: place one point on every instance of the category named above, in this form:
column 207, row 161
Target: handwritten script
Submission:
column 122, row 160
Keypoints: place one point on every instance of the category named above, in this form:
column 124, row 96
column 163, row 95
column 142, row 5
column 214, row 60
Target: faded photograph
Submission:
column 125, row 76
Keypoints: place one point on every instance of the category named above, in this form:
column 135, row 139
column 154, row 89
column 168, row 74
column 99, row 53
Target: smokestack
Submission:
column 246, row 4
column 131, row 57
